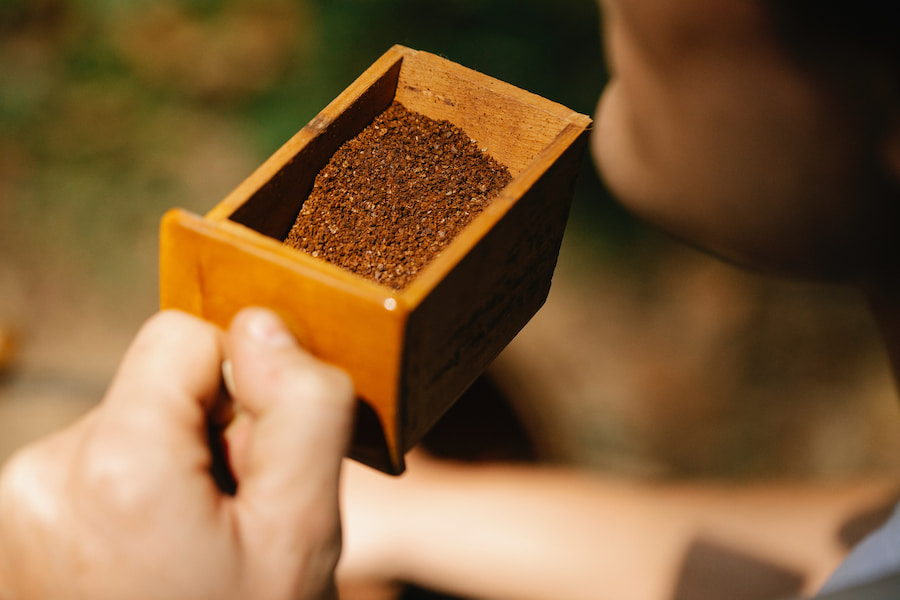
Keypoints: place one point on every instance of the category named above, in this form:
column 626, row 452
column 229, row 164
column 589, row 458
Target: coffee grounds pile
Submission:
column 393, row 197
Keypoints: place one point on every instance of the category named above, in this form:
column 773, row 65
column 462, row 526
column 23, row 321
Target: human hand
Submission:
column 122, row 504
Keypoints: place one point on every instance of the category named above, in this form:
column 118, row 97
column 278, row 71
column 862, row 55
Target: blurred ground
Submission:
column 673, row 364
column 648, row 359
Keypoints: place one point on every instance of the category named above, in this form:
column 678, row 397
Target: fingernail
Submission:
column 266, row 328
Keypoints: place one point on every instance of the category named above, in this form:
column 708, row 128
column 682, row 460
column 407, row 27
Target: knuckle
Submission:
column 14, row 475
column 327, row 383
column 113, row 481
column 25, row 484
column 340, row 382
column 163, row 322
column 174, row 326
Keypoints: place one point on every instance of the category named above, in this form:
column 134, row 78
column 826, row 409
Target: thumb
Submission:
column 301, row 417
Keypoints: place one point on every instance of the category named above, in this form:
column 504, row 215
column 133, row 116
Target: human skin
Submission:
column 122, row 503
column 711, row 128
column 708, row 129
column 526, row 532
column 777, row 157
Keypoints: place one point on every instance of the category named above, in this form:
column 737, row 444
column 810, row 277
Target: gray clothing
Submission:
column 876, row 557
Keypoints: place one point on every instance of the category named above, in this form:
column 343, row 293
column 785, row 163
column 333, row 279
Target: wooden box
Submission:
column 412, row 352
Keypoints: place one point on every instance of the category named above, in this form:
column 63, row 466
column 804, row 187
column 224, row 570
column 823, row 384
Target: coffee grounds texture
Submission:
column 391, row 198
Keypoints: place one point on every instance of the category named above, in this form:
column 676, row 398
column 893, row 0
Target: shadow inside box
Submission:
column 480, row 427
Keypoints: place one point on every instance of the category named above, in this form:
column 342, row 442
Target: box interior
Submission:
column 510, row 129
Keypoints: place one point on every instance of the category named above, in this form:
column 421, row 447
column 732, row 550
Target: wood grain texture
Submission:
column 412, row 352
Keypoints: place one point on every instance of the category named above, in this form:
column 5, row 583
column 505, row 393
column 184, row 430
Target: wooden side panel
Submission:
column 411, row 353
column 512, row 124
column 212, row 271
column 485, row 300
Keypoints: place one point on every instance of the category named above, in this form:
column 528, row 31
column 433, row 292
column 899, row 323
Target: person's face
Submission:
column 711, row 130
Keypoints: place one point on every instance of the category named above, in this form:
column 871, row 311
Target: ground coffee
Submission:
column 393, row 197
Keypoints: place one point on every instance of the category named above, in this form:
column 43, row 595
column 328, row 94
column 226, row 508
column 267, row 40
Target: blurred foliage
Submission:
column 105, row 106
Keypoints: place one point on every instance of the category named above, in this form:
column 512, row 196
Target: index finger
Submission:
column 171, row 374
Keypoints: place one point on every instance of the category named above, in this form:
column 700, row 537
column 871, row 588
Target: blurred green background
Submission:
column 648, row 359
column 110, row 112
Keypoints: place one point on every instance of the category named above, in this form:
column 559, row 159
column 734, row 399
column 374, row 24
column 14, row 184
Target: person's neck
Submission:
column 885, row 303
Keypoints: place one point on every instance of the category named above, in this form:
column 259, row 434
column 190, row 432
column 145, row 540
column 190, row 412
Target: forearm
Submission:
column 530, row 533
column 534, row 534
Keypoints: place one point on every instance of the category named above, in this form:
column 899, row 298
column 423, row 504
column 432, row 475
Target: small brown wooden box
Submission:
column 411, row 353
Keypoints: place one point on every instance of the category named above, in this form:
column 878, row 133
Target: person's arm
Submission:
column 529, row 533
column 123, row 504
